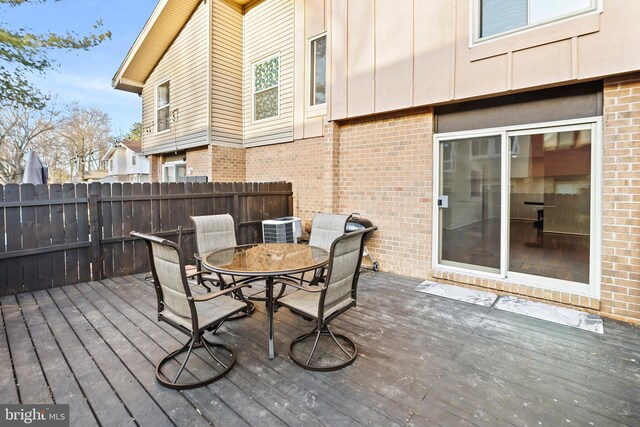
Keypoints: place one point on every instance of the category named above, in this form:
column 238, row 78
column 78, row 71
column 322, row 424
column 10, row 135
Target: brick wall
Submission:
column 155, row 161
column 198, row 162
column 621, row 199
column 301, row 162
column 227, row 164
column 385, row 174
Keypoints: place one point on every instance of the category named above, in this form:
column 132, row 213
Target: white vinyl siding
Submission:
column 226, row 73
column 185, row 64
column 269, row 30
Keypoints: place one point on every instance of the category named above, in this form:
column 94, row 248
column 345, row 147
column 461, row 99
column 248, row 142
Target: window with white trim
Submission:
column 266, row 88
column 133, row 160
column 163, row 107
column 172, row 171
column 318, row 71
column 497, row 17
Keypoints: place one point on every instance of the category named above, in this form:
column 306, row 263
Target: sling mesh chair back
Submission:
column 325, row 302
column 190, row 314
column 325, row 228
column 213, row 233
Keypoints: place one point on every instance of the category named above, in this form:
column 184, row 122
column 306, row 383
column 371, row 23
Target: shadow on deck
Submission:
column 423, row 360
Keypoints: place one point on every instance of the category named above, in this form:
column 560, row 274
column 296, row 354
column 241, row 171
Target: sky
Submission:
column 85, row 76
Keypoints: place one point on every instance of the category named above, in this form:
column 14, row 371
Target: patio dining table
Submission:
column 271, row 261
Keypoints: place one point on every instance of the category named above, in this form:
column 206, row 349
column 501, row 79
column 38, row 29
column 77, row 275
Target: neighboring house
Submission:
column 495, row 143
column 126, row 163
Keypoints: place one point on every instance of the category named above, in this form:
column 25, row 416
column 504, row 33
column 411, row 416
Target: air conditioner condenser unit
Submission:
column 281, row 230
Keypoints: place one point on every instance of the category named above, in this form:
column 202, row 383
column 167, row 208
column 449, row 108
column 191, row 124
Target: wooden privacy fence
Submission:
column 52, row 235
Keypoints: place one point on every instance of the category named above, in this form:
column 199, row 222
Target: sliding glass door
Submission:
column 519, row 204
column 470, row 208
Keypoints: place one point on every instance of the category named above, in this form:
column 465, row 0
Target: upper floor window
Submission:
column 266, row 88
column 133, row 160
column 163, row 105
column 318, row 69
column 110, row 165
column 497, row 17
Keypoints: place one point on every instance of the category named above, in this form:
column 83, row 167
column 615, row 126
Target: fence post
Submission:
column 95, row 191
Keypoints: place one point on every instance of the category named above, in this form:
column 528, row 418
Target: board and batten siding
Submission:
column 226, row 73
column 389, row 55
column 185, row 65
column 269, row 29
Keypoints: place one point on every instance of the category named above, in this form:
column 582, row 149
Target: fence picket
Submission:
column 71, row 232
column 14, row 238
column 29, row 240
column 84, row 264
column 43, row 238
column 127, row 264
column 57, row 235
column 3, row 247
column 117, row 251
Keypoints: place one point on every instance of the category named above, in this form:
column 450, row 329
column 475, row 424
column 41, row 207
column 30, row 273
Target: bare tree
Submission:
column 86, row 134
column 22, row 128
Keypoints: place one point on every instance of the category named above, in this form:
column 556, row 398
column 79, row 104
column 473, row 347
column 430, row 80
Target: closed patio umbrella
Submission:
column 35, row 172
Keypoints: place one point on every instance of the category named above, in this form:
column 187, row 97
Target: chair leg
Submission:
column 323, row 365
column 188, row 348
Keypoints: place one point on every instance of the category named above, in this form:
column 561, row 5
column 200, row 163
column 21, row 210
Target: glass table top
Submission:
column 264, row 259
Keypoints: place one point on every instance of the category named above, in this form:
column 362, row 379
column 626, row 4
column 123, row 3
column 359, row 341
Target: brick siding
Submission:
column 621, row 199
column 228, row 164
column 385, row 174
column 198, row 162
column 301, row 162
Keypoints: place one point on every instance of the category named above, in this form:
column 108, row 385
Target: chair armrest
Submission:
column 197, row 273
column 225, row 291
column 289, row 282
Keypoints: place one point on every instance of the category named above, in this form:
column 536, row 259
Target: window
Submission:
column 163, row 104
column 266, row 88
column 318, row 70
column 111, row 165
column 503, row 16
column 172, row 171
column 133, row 160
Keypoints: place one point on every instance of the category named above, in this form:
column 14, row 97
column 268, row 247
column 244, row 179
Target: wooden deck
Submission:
column 423, row 360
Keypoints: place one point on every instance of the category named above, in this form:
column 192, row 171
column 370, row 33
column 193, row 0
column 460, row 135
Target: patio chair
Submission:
column 325, row 228
column 190, row 314
column 325, row 302
column 214, row 233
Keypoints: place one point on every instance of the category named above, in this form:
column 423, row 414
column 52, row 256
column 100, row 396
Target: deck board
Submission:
column 64, row 385
column 423, row 361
